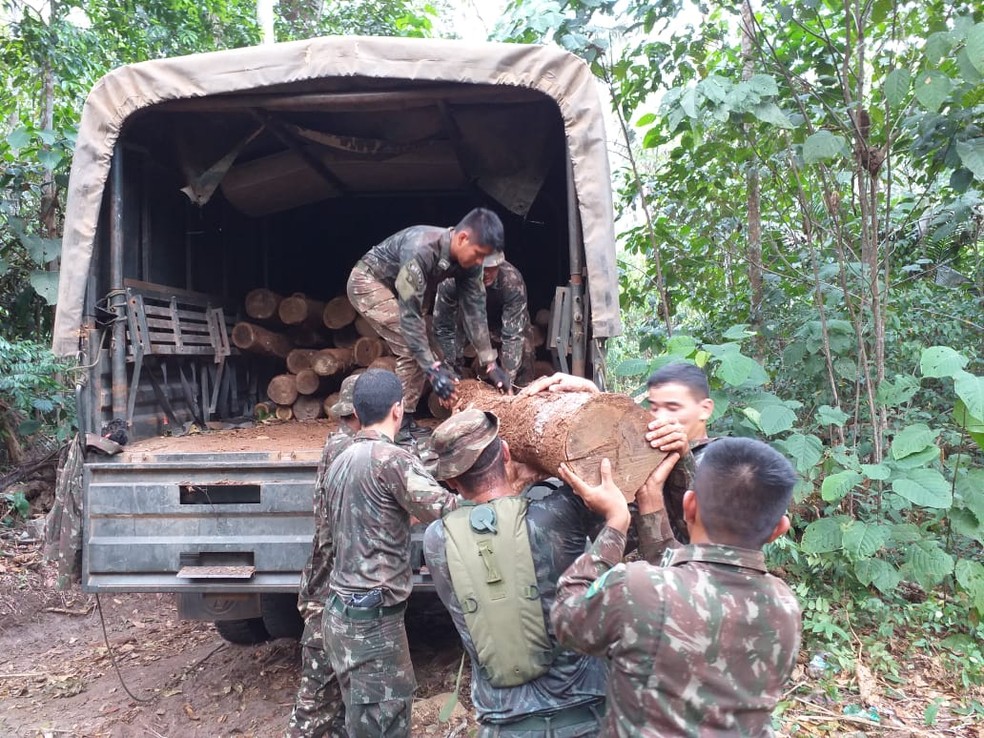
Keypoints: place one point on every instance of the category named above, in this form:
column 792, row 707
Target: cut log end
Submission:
column 338, row 313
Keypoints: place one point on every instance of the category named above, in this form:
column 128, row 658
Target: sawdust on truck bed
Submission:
column 277, row 436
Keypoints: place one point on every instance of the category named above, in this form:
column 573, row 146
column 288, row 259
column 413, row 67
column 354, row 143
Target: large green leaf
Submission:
column 878, row 472
column 827, row 415
column 971, row 153
column 881, row 574
column 893, row 394
column 631, row 368
column 973, row 426
column 906, row 533
column 912, row 439
column 932, row 88
column 46, row 285
column 970, row 491
column 925, row 487
column 938, row 45
column 763, row 84
column 737, row 369
column 769, row 112
column 975, row 46
column 967, row 69
column 805, row 450
column 970, row 389
column 965, row 523
column 681, row 345
column 823, row 145
column 970, row 576
column 927, row 563
column 776, row 419
column 19, row 138
column 822, row 536
column 862, row 540
column 835, row 486
column 897, row 86
column 920, row 458
column 941, row 361
column 42, row 250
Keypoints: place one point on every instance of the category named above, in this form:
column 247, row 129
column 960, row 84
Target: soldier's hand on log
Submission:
column 559, row 382
column 669, row 436
column 499, row 378
column 442, row 381
column 650, row 494
column 605, row 499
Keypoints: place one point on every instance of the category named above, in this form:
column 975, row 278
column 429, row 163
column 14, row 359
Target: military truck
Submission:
column 198, row 179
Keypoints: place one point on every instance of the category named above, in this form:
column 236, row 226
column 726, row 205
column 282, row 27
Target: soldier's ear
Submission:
column 506, row 453
column 706, row 408
column 690, row 507
column 781, row 527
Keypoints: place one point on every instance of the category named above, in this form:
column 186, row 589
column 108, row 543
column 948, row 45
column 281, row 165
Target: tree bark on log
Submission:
column 257, row 340
column 338, row 313
column 328, row 402
column 331, row 361
column 300, row 359
column 262, row 304
column 299, row 309
column 282, row 389
column 580, row 428
column 366, row 350
column 307, row 408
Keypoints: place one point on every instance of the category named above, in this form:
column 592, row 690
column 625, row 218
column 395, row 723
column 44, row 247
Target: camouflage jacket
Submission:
column 314, row 576
column 505, row 301
column 373, row 487
column 412, row 263
column 558, row 526
column 699, row 646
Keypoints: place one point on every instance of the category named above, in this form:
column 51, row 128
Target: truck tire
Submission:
column 245, row 632
column 280, row 615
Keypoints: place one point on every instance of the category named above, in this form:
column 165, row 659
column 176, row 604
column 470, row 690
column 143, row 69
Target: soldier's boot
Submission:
column 410, row 432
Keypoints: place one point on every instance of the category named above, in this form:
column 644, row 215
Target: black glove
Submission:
column 442, row 380
column 499, row 378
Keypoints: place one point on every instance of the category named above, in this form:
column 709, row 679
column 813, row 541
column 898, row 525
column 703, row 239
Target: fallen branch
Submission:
column 65, row 611
column 23, row 675
column 27, row 468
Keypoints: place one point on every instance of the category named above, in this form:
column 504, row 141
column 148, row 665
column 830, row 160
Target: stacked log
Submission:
column 320, row 342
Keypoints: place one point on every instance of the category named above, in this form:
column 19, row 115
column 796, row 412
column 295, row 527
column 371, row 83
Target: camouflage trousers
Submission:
column 377, row 303
column 318, row 709
column 372, row 661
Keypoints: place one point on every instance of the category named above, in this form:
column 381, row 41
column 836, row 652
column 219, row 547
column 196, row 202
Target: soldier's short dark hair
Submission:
column 679, row 372
column 375, row 392
column 489, row 466
column 485, row 228
column 743, row 488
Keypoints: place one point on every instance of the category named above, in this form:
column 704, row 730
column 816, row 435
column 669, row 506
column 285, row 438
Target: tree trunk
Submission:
column 752, row 190
column 300, row 310
column 338, row 313
column 300, row 359
column 283, row 389
column 308, row 408
column 257, row 340
column 262, row 304
column 366, row 350
column 331, row 361
column 580, row 428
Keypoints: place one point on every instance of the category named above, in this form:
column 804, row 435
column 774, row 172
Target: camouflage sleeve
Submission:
column 422, row 496
column 655, row 535
column 514, row 320
column 471, row 296
column 446, row 320
column 411, row 287
column 588, row 612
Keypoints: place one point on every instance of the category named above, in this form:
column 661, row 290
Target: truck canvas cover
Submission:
column 307, row 76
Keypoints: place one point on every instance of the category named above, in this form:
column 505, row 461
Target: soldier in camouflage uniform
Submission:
column 566, row 701
column 318, row 708
column 374, row 486
column 703, row 644
column 393, row 287
column 505, row 305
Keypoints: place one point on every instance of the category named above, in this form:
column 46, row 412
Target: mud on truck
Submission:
column 198, row 180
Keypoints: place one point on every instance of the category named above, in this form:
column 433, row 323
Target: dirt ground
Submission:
column 182, row 680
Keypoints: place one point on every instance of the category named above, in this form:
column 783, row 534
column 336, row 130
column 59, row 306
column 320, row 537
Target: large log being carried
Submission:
column 580, row 428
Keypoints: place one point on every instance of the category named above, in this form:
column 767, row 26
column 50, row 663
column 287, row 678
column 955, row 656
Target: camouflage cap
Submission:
column 460, row 440
column 493, row 260
column 344, row 405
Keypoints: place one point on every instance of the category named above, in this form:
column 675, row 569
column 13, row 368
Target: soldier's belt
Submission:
column 570, row 716
column 364, row 613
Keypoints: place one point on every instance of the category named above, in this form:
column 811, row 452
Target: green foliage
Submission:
column 35, row 398
column 13, row 505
